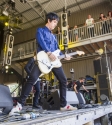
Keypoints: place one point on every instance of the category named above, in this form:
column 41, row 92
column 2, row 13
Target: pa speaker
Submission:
column 6, row 101
column 52, row 102
column 100, row 65
column 104, row 85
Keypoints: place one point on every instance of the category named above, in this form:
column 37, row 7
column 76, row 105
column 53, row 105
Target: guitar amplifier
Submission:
column 104, row 85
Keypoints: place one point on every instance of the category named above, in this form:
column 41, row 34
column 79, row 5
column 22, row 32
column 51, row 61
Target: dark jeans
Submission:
column 80, row 98
column 37, row 93
column 59, row 73
column 91, row 32
column 28, row 87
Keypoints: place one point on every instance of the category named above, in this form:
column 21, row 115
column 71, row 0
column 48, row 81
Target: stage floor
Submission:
column 57, row 117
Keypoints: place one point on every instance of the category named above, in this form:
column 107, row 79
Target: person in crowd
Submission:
column 47, row 42
column 58, row 30
column 90, row 26
column 102, row 17
column 76, row 33
column 109, row 17
column 77, row 85
column 32, row 80
column 28, row 68
column 105, row 28
column 69, row 33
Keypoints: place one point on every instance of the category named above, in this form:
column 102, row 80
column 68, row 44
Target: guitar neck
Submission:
column 70, row 54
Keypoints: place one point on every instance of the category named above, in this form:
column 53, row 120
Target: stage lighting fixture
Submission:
column 8, row 61
column 65, row 40
column 64, row 32
column 23, row 1
column 66, row 47
column 12, row 3
column 71, row 70
column 64, row 24
column 64, row 10
column 6, row 71
column 69, row 13
column 9, row 31
column 4, row 12
column 18, row 20
column 10, row 45
column 64, row 16
column 11, row 38
column 6, row 23
column 9, row 53
column 100, row 51
column 6, row 67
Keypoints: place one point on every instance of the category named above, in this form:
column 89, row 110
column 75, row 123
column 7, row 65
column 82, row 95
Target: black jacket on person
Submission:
column 32, row 70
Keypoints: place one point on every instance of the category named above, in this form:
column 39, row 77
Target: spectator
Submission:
column 76, row 33
column 77, row 85
column 69, row 33
column 102, row 17
column 104, row 27
column 109, row 17
column 58, row 30
column 90, row 25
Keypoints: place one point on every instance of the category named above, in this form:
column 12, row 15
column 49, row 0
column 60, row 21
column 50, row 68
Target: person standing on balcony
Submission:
column 47, row 42
column 76, row 33
column 58, row 30
column 90, row 26
column 104, row 27
column 109, row 17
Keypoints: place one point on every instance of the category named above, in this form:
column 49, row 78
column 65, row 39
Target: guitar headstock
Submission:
column 80, row 53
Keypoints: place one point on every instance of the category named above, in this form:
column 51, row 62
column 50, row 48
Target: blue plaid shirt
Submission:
column 46, row 40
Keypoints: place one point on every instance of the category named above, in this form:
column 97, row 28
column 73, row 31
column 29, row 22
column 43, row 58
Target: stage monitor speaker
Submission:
column 103, row 86
column 6, row 101
column 53, row 101
column 100, row 65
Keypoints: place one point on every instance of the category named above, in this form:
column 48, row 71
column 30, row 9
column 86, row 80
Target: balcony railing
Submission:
column 23, row 50
column 78, row 35
column 86, row 32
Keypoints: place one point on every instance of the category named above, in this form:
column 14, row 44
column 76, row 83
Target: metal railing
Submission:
column 24, row 49
column 76, row 35
column 87, row 32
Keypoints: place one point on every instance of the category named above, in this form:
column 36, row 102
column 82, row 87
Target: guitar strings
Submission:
column 43, row 63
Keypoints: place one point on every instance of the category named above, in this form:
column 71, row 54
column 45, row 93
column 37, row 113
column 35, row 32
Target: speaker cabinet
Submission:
column 100, row 65
column 53, row 101
column 104, row 85
column 6, row 101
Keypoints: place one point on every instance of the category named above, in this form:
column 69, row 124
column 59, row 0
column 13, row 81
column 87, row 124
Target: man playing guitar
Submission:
column 47, row 42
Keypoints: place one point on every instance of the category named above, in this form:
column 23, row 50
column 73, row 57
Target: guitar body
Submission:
column 45, row 64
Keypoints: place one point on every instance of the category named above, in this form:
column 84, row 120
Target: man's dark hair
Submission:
column 81, row 78
column 51, row 16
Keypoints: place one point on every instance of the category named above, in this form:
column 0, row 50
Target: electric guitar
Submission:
column 46, row 65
